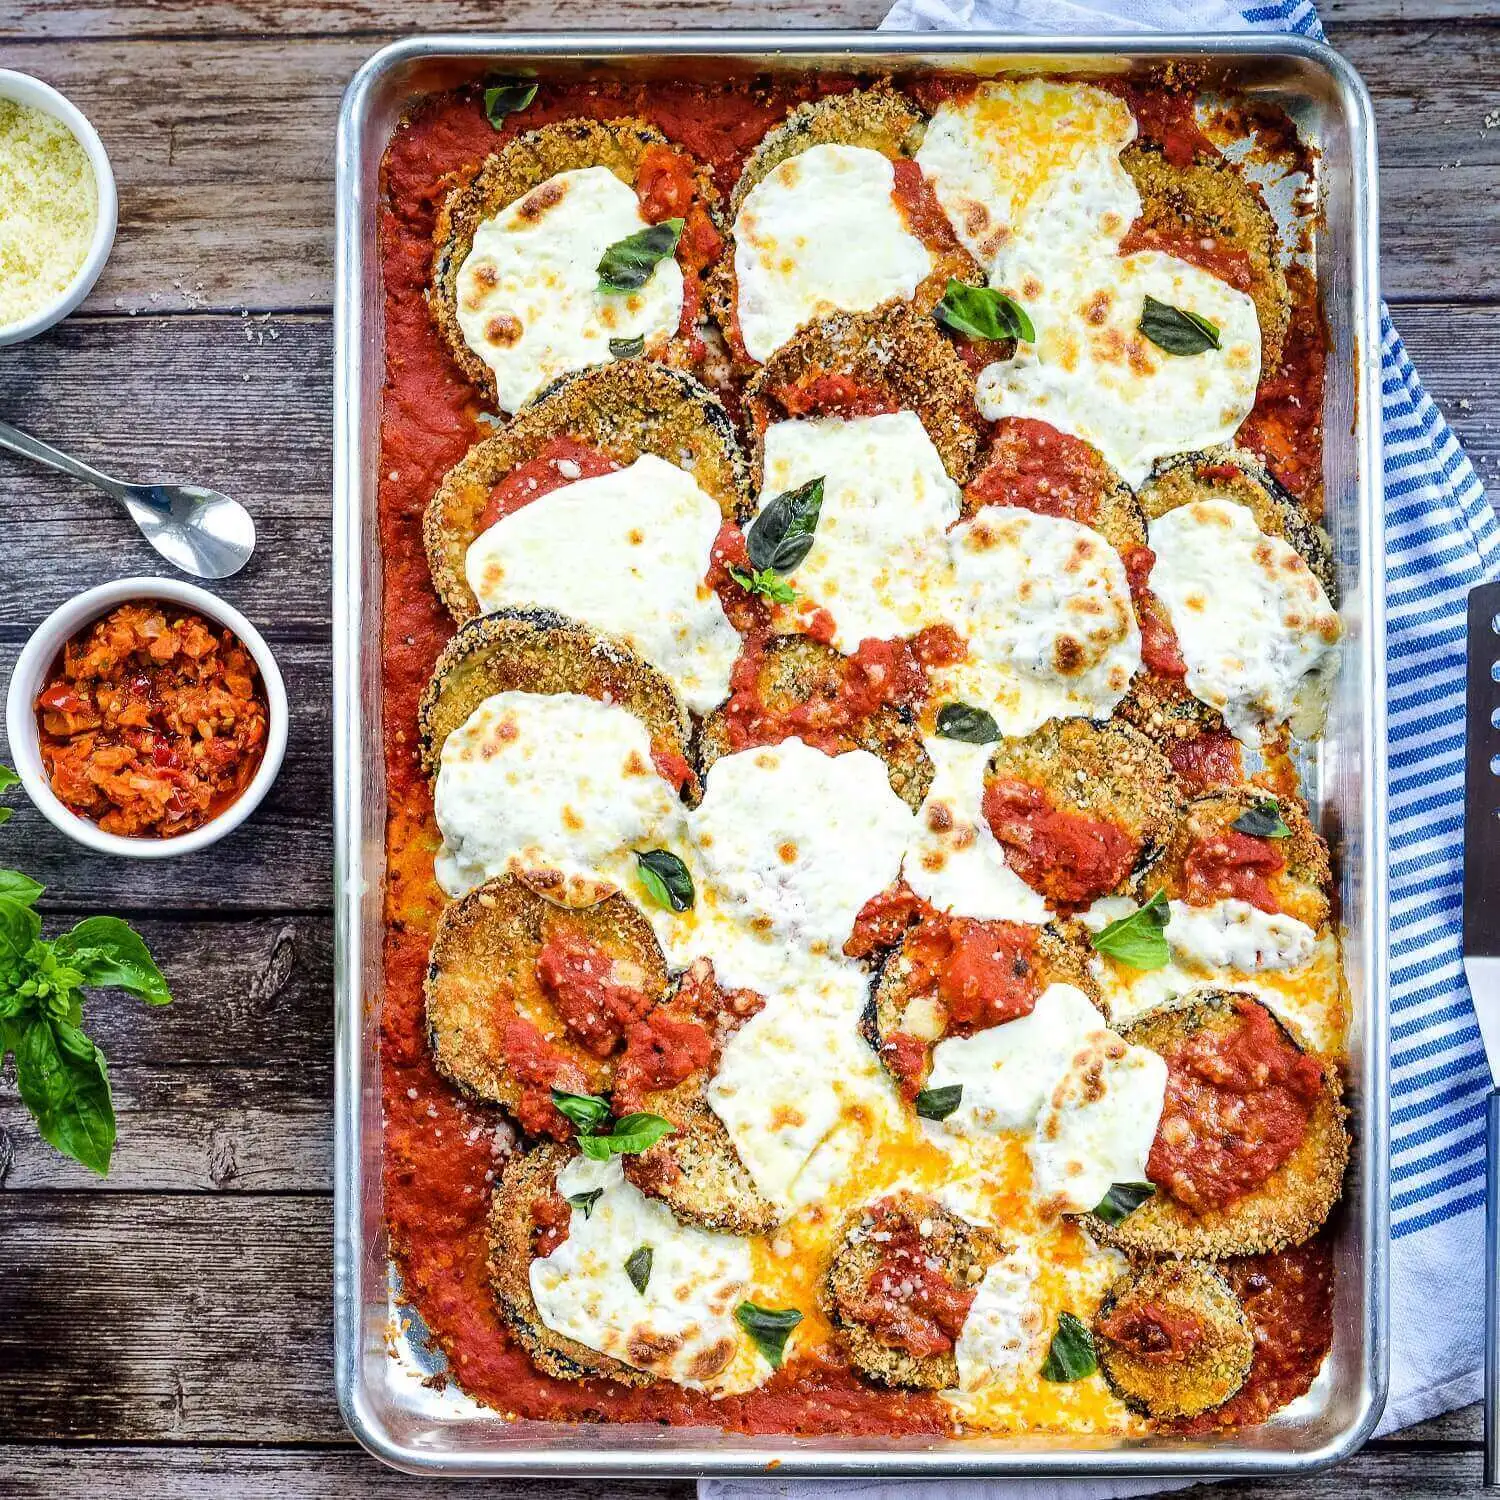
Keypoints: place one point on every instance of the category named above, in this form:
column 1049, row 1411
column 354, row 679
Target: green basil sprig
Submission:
column 957, row 721
column 626, row 266
column 781, row 536
column 1071, row 1355
column 769, row 1328
column 628, row 348
column 507, row 96
column 638, row 1268
column 629, row 1137
column 939, row 1103
column 1176, row 330
column 8, row 779
column 585, row 1202
column 980, row 312
column 1263, row 821
column 587, row 1111
column 1122, row 1200
column 767, row 582
column 1138, row 940
column 61, row 1075
column 666, row 878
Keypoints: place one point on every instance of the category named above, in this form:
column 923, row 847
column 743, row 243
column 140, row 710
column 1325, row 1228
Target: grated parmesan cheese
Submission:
column 48, row 207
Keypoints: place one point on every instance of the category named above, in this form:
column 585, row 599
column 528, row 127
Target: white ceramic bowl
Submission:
column 35, row 662
column 38, row 95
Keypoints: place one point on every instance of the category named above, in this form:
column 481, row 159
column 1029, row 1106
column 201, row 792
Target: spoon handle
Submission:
column 13, row 440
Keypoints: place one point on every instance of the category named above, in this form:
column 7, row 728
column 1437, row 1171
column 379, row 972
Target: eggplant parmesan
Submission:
column 859, row 960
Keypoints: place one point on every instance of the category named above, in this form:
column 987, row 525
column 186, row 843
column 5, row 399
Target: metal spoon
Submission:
column 198, row 531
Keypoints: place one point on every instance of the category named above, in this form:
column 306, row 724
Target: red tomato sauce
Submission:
column 1230, row 864
column 1165, row 118
column 1206, row 762
column 919, row 207
column 1066, row 856
column 827, row 393
column 1228, row 263
column 563, row 461
column 577, row 976
column 1033, row 466
column 1238, row 1104
column 1153, row 1331
column 1161, row 652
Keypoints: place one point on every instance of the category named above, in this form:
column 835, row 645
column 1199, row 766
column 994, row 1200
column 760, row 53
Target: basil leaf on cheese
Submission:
column 1071, row 1355
column 767, row 582
column 1175, row 330
column 957, row 721
column 628, row 348
column 587, row 1111
column 1137, row 940
column 630, row 1136
column 585, row 1201
column 938, row 1104
column 1263, row 821
column 980, row 312
column 769, row 1328
column 638, row 1268
column 781, row 536
column 626, row 266
column 507, row 97
column 1122, row 1200
column 666, row 878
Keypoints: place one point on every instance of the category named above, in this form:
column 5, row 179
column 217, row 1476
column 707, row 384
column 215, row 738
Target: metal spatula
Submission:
column 1482, row 953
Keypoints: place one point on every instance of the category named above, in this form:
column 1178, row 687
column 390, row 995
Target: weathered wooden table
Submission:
column 167, row 1332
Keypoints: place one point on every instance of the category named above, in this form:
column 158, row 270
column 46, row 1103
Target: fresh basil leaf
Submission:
column 980, row 312
column 628, row 348
column 629, row 1137
column 63, row 1081
column 765, row 581
column 5, row 815
column 108, row 952
column 638, row 1268
column 587, row 1111
column 507, row 97
column 8, row 779
column 957, row 721
column 938, row 1104
column 769, row 1328
column 20, row 926
column 781, row 536
column 1175, row 330
column 626, row 266
column 1263, row 821
column 1071, row 1355
column 665, row 877
column 1137, row 940
column 585, row 1202
column 1122, row 1200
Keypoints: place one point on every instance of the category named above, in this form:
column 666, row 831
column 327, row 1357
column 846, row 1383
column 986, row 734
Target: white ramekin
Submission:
column 35, row 662
column 24, row 89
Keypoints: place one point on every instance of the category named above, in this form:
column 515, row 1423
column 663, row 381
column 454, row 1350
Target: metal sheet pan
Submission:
column 380, row 1388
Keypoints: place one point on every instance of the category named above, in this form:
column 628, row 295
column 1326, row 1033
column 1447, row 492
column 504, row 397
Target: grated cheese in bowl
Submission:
column 49, row 205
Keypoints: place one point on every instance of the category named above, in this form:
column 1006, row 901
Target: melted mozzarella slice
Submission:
column 877, row 563
column 1257, row 631
column 1093, row 373
column 820, row 234
column 1097, row 1126
column 1232, row 934
column 1045, row 605
column 529, row 303
column 1030, row 170
column 953, row 860
column 552, row 782
column 1005, row 1331
column 794, row 842
column 681, row 1325
column 1007, row 1071
column 627, row 553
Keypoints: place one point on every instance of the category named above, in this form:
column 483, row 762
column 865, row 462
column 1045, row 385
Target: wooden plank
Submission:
column 229, row 1089
column 279, row 859
column 225, row 159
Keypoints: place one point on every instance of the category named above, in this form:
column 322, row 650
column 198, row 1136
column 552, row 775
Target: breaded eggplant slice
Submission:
column 482, row 976
column 1033, row 466
column 1176, row 722
column 1239, row 477
column 890, row 359
column 878, row 119
column 1288, row 1207
column 510, row 173
column 1212, row 200
column 1173, row 1339
column 1299, row 889
column 623, row 410
column 798, row 671
column 696, row 1170
column 903, row 1002
column 537, row 651
column 531, row 1177
column 1106, row 773
column 959, row 1251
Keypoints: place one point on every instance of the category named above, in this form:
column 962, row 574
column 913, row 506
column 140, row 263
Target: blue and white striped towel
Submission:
column 1441, row 538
